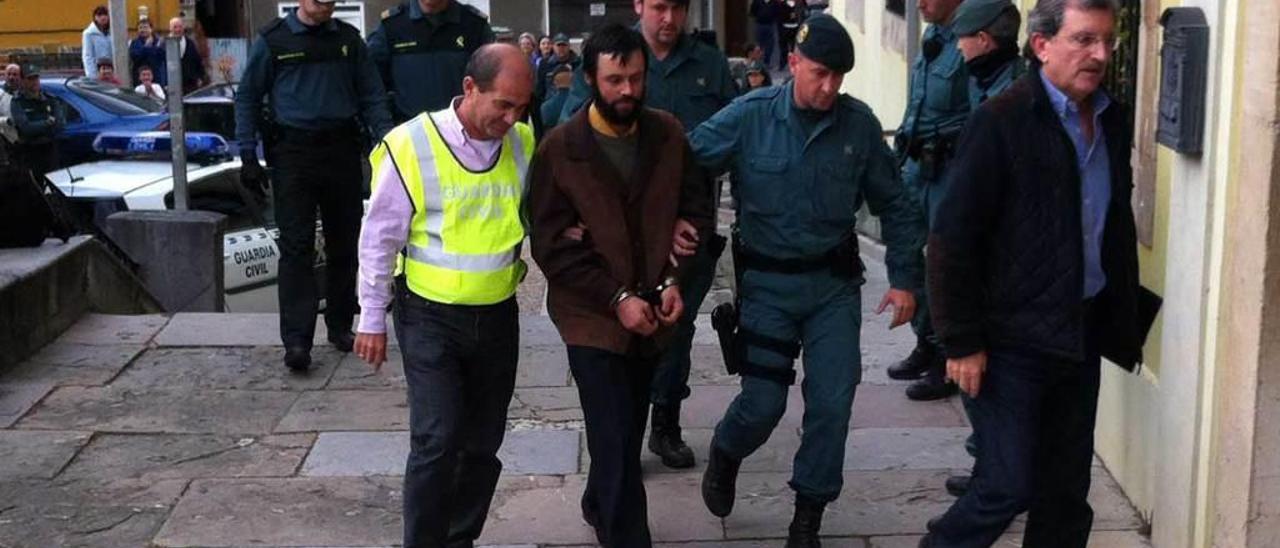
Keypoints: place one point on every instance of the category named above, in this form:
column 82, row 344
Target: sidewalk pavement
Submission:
column 187, row 431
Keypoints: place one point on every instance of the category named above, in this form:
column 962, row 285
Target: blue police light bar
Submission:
column 158, row 144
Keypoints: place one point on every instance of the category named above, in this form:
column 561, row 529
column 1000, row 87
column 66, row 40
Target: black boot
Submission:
column 803, row 532
column 665, row 440
column 297, row 358
column 958, row 485
column 916, row 365
column 934, row 385
column 719, row 482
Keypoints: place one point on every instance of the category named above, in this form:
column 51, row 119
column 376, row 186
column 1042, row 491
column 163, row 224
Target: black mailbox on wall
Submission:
column 1184, row 65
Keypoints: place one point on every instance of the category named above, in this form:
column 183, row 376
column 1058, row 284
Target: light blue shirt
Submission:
column 1095, row 179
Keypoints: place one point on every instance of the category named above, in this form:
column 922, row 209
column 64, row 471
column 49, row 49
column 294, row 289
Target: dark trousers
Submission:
column 1033, row 419
column 310, row 174
column 460, row 364
column 671, row 379
column 766, row 34
column 39, row 158
column 786, row 43
column 614, row 391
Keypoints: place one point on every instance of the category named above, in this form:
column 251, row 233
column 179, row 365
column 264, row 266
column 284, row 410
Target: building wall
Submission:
column 1156, row 429
column 33, row 24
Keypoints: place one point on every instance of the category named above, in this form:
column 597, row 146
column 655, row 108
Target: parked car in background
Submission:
column 94, row 107
column 139, row 176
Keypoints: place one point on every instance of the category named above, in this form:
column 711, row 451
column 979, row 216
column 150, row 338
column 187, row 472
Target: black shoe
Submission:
column 916, row 365
column 665, row 440
column 297, row 358
column 592, row 517
column 958, row 485
column 934, row 385
column 719, row 482
column 343, row 341
column 803, row 532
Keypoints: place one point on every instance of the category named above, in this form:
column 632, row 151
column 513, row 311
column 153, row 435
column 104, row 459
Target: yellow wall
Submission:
column 879, row 76
column 52, row 24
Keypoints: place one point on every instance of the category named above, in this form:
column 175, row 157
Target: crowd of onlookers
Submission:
column 147, row 57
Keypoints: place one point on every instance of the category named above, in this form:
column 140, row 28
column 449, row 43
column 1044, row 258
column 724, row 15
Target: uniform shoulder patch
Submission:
column 392, row 11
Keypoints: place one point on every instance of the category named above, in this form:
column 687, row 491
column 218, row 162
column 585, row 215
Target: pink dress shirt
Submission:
column 386, row 225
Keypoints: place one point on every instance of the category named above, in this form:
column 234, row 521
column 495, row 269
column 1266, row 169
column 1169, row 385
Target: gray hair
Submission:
column 1046, row 18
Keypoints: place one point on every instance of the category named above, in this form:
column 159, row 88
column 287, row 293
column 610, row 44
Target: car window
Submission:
column 222, row 193
column 73, row 115
column 115, row 100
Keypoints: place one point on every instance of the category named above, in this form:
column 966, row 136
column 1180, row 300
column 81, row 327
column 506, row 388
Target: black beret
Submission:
column 823, row 39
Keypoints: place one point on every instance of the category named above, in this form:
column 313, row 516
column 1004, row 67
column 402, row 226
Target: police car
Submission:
column 139, row 176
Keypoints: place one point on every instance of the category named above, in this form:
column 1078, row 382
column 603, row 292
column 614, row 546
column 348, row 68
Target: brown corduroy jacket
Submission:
column 629, row 227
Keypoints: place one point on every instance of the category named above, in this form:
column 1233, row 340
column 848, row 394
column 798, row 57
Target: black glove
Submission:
column 252, row 176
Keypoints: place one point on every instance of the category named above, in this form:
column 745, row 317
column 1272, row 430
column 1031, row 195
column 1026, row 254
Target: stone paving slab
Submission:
column 16, row 398
column 41, row 514
column 227, row 368
column 526, row 452
column 347, row 410
column 1097, row 539
column 872, row 503
column 286, row 512
column 111, row 409
column 545, row 406
column 40, row 454
column 68, row 364
column 542, row 365
column 907, row 449
column 221, row 329
column 180, row 456
column 104, row 329
column 353, row 373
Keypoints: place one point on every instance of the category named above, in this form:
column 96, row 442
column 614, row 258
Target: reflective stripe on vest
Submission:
column 466, row 232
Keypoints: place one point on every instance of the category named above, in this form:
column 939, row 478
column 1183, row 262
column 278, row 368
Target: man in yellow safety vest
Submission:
column 441, row 244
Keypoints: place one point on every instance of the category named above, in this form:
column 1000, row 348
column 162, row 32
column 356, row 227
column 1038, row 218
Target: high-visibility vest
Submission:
column 465, row 236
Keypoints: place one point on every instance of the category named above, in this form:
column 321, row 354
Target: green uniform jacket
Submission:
column 38, row 119
column 939, row 99
column 799, row 191
column 692, row 83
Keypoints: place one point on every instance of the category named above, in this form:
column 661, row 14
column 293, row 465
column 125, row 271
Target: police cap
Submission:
column 30, row 70
column 823, row 39
column 561, row 38
column 975, row 15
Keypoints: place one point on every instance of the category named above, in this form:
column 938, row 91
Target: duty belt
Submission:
column 842, row 260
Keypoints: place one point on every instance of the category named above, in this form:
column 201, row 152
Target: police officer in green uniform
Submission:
column 691, row 80
column 421, row 48
column 988, row 40
column 38, row 120
column 936, row 110
column 322, row 88
column 807, row 158
column 987, row 32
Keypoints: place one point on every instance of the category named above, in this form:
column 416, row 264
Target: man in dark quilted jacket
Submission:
column 1033, row 278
